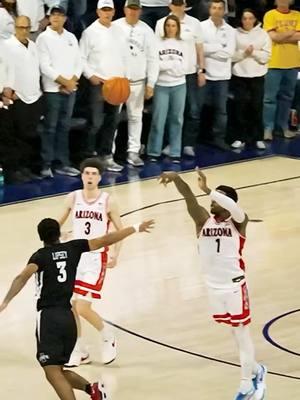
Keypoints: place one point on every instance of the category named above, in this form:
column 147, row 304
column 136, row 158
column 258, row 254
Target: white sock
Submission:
column 107, row 333
column 247, row 358
column 81, row 346
column 245, row 386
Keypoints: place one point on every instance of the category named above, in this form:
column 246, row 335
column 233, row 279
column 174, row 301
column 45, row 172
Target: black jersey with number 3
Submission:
column 56, row 273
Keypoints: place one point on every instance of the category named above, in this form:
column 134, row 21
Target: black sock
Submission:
column 88, row 389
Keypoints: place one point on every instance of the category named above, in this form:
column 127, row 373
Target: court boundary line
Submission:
column 148, row 178
column 203, row 356
column 268, row 337
column 199, row 355
column 192, row 353
column 204, row 194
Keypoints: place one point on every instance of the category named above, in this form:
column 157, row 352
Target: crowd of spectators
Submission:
column 191, row 60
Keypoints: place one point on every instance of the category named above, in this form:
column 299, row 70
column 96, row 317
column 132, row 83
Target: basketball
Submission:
column 116, row 90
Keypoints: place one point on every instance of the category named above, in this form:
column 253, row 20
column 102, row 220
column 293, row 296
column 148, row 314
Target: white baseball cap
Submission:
column 105, row 3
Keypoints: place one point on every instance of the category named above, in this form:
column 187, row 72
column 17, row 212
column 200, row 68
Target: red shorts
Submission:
column 230, row 306
column 90, row 274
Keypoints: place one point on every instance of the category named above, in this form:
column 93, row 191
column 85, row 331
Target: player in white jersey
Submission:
column 221, row 237
column 92, row 210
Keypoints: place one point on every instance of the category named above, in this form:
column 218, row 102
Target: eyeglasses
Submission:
column 23, row 27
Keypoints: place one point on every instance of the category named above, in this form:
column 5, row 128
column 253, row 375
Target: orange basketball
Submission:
column 116, row 90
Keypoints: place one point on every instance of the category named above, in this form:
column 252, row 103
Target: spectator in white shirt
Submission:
column 35, row 10
column 169, row 94
column 7, row 24
column 253, row 51
column 9, row 146
column 142, row 70
column 219, row 47
column 26, row 109
column 103, row 54
column 61, row 68
column 191, row 34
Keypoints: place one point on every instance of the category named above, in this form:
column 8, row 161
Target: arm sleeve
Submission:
column 9, row 74
column 210, row 48
column 269, row 22
column 85, row 50
column 298, row 22
column 263, row 55
column 78, row 62
column 239, row 55
column 45, row 60
column 199, row 34
column 159, row 32
column 152, row 59
column 36, row 259
column 82, row 245
column 226, row 202
column 228, row 50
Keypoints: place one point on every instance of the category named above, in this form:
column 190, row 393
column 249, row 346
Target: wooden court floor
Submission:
column 157, row 294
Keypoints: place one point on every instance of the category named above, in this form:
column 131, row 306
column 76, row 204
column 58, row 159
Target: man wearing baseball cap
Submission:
column 142, row 66
column 103, row 54
column 61, row 67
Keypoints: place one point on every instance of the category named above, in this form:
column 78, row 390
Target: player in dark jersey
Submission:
column 55, row 266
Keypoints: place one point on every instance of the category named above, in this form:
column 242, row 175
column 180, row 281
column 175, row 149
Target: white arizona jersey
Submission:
column 220, row 248
column 90, row 219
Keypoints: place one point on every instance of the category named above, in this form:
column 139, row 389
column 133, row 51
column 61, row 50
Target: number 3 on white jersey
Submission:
column 62, row 276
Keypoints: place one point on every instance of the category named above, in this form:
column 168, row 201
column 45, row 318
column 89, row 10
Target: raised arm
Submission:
column 114, row 237
column 114, row 216
column 68, row 204
column 18, row 283
column 237, row 213
column 198, row 213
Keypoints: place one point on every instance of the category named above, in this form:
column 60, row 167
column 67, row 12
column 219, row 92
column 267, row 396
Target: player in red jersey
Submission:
column 221, row 237
column 92, row 210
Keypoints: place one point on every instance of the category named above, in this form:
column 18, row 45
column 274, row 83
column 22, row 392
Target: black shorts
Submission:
column 56, row 335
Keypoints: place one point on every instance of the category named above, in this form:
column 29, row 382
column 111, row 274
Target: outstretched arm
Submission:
column 237, row 214
column 198, row 213
column 114, row 216
column 68, row 204
column 18, row 283
column 115, row 237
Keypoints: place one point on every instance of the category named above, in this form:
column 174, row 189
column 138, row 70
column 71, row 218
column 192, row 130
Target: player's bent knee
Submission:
column 52, row 372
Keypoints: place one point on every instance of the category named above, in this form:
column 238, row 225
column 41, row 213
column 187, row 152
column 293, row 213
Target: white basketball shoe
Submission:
column 78, row 357
column 259, row 382
column 109, row 350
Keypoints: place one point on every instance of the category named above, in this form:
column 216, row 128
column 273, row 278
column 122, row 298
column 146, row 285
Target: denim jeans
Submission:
column 55, row 135
column 216, row 94
column 104, row 123
column 195, row 97
column 279, row 93
column 150, row 15
column 296, row 102
column 168, row 106
column 78, row 6
column 76, row 10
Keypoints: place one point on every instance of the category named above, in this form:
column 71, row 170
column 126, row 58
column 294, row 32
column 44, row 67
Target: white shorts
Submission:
column 90, row 274
column 88, row 297
column 230, row 306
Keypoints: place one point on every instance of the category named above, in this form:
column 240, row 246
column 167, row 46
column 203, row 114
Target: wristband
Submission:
column 136, row 227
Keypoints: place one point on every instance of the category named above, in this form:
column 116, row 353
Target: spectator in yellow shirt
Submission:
column 283, row 27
